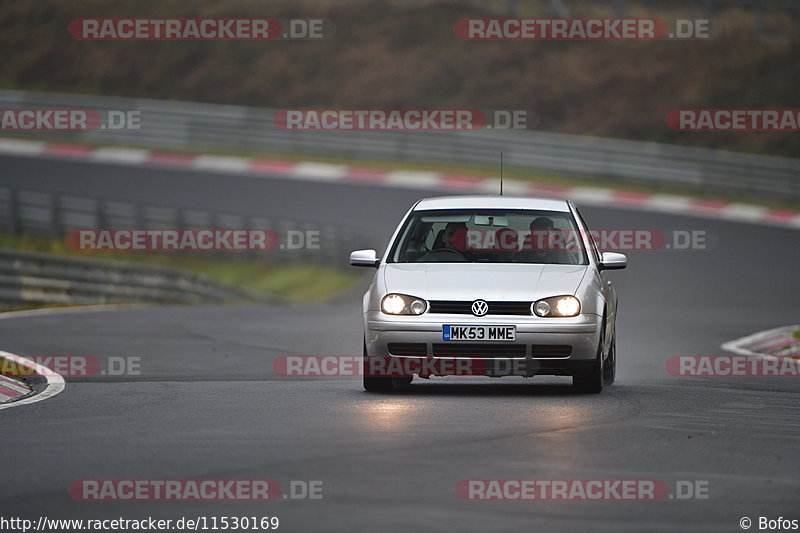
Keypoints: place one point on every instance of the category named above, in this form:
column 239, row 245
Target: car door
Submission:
column 606, row 286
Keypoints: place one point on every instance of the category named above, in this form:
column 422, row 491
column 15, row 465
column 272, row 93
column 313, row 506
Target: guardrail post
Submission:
column 619, row 8
column 101, row 214
column 758, row 21
column 180, row 219
column 13, row 212
column 512, row 7
column 139, row 217
column 56, row 219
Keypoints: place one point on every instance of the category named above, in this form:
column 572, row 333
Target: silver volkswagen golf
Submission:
column 490, row 285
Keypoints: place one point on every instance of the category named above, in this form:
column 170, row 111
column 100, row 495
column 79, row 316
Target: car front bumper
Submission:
column 533, row 337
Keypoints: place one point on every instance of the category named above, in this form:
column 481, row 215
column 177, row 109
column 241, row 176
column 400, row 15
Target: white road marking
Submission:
column 55, row 382
column 591, row 195
column 20, row 147
column 491, row 185
column 670, row 203
column 218, row 163
column 319, row 171
column 744, row 212
column 413, row 179
column 124, row 156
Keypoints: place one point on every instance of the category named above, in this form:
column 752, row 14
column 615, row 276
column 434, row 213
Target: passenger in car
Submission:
column 455, row 236
column 537, row 246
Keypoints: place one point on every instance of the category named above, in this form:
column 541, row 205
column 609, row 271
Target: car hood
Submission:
column 472, row 281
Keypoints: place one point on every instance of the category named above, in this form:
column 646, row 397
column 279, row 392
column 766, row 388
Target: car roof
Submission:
column 492, row 202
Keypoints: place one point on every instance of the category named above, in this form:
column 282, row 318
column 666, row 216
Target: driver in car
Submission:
column 538, row 245
column 455, row 236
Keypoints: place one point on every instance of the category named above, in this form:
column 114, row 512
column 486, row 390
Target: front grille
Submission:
column 457, row 307
column 509, row 308
column 408, row 348
column 551, row 350
column 480, row 350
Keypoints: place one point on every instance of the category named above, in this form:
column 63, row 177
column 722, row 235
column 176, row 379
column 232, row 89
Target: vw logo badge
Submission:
column 479, row 308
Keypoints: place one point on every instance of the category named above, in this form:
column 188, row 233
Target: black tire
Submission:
column 592, row 382
column 373, row 384
column 610, row 366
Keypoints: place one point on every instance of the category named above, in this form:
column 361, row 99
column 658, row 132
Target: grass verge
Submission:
column 295, row 283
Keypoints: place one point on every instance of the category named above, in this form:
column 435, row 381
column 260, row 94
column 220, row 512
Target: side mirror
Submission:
column 612, row 261
column 364, row 258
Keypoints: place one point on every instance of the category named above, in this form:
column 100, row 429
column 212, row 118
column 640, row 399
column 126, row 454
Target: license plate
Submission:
column 479, row 333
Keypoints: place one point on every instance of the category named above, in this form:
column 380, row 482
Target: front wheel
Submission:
column 373, row 384
column 593, row 381
column 610, row 367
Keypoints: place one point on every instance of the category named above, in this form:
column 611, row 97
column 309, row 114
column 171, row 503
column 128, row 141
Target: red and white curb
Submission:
column 55, row 382
column 434, row 181
column 778, row 342
column 11, row 389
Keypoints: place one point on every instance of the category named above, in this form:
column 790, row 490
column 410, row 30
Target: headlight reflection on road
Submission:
column 563, row 417
column 386, row 414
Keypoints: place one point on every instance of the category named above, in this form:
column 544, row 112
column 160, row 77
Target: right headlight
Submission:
column 402, row 304
column 556, row 306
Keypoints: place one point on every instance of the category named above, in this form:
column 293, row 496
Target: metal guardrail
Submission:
column 31, row 212
column 213, row 127
column 39, row 278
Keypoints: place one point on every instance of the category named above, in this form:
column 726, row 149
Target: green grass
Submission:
column 796, row 334
column 296, row 283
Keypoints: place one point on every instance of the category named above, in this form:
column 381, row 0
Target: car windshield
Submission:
column 489, row 236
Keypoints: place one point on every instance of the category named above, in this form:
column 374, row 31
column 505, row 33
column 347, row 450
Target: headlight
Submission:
column 402, row 304
column 557, row 306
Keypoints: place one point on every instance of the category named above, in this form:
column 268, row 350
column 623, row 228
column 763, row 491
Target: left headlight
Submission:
column 402, row 304
column 557, row 306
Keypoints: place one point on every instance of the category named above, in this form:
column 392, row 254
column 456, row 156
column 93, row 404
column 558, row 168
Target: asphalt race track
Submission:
column 208, row 405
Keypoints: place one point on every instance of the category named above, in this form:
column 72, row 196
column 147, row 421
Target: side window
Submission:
column 593, row 245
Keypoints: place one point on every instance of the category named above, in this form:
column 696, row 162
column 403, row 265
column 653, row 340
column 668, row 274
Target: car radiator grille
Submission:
column 551, row 350
column 479, row 350
column 408, row 348
column 419, row 349
column 456, row 307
